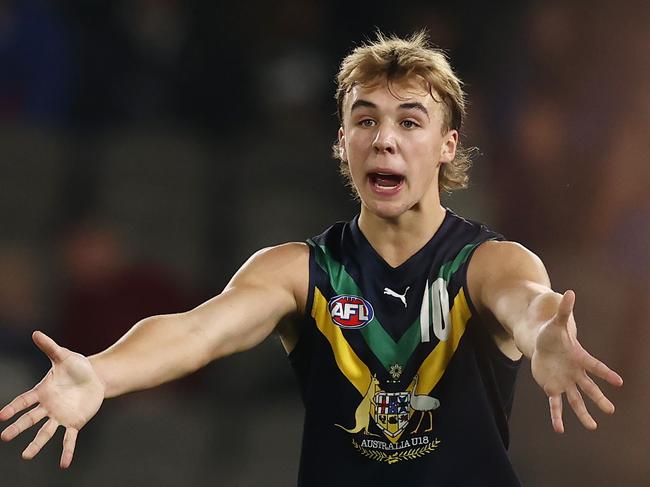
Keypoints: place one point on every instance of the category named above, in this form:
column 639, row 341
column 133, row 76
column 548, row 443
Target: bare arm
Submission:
column 271, row 285
column 511, row 285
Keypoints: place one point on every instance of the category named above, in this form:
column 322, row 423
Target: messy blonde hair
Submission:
column 394, row 59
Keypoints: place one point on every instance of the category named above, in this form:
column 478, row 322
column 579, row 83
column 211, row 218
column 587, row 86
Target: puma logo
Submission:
column 401, row 297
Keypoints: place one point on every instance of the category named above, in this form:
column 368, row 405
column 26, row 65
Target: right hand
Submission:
column 69, row 395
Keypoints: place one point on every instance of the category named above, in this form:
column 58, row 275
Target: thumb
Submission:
column 49, row 347
column 565, row 307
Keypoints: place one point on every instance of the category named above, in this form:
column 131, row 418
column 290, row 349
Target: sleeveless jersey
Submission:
column 402, row 384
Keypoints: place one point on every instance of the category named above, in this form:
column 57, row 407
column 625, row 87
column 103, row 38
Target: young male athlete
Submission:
column 405, row 326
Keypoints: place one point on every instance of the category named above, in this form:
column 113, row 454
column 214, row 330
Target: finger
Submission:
column 69, row 442
column 578, row 405
column 21, row 402
column 40, row 440
column 49, row 347
column 27, row 420
column 555, row 403
column 565, row 308
column 596, row 395
column 599, row 369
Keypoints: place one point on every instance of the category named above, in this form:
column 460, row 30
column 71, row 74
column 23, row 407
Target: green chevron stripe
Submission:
column 378, row 340
column 448, row 269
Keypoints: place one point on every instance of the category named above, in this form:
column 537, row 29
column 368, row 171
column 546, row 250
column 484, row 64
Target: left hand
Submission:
column 560, row 365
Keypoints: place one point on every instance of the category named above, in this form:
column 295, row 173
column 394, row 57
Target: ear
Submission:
column 448, row 147
column 341, row 135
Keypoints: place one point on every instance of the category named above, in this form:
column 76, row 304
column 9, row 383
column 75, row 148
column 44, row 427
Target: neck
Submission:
column 397, row 239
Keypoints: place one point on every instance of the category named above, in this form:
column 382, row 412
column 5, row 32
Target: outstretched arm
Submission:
column 270, row 286
column 510, row 284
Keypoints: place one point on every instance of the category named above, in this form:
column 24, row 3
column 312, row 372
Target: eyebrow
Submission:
column 362, row 103
column 415, row 105
column 405, row 106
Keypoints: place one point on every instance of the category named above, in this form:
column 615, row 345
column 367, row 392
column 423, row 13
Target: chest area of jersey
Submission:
column 393, row 311
column 393, row 341
column 393, row 320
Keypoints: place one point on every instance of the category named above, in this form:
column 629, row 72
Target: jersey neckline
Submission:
column 359, row 240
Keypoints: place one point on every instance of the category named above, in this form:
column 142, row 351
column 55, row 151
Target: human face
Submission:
column 394, row 146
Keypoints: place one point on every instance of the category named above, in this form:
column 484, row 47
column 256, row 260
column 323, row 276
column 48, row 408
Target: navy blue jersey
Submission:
column 401, row 381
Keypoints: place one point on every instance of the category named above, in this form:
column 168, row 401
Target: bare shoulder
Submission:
column 282, row 267
column 504, row 258
column 284, row 255
column 499, row 269
column 495, row 263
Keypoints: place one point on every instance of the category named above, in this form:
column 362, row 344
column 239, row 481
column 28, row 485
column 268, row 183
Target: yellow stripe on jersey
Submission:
column 434, row 366
column 346, row 359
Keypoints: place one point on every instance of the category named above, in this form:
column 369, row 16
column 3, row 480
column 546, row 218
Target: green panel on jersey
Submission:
column 449, row 268
column 380, row 342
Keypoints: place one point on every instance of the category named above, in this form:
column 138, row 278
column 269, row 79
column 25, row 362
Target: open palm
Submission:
column 560, row 365
column 69, row 395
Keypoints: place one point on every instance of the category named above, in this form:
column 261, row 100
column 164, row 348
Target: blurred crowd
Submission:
column 147, row 147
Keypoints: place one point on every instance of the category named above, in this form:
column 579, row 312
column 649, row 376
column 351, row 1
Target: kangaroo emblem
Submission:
column 362, row 414
column 401, row 297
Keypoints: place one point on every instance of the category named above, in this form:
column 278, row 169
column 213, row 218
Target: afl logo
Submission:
column 350, row 312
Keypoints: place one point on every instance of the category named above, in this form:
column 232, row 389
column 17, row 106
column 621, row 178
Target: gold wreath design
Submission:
column 390, row 458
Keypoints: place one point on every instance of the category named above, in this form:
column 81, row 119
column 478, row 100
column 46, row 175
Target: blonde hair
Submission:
column 393, row 59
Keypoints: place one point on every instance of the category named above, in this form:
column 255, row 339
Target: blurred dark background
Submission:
column 148, row 147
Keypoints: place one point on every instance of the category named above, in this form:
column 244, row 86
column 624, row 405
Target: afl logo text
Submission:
column 350, row 312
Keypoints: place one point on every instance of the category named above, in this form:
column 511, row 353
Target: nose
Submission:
column 384, row 140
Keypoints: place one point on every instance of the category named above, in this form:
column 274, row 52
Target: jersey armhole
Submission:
column 305, row 317
column 492, row 347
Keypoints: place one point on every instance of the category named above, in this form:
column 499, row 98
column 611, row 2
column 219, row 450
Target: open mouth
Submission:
column 385, row 181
